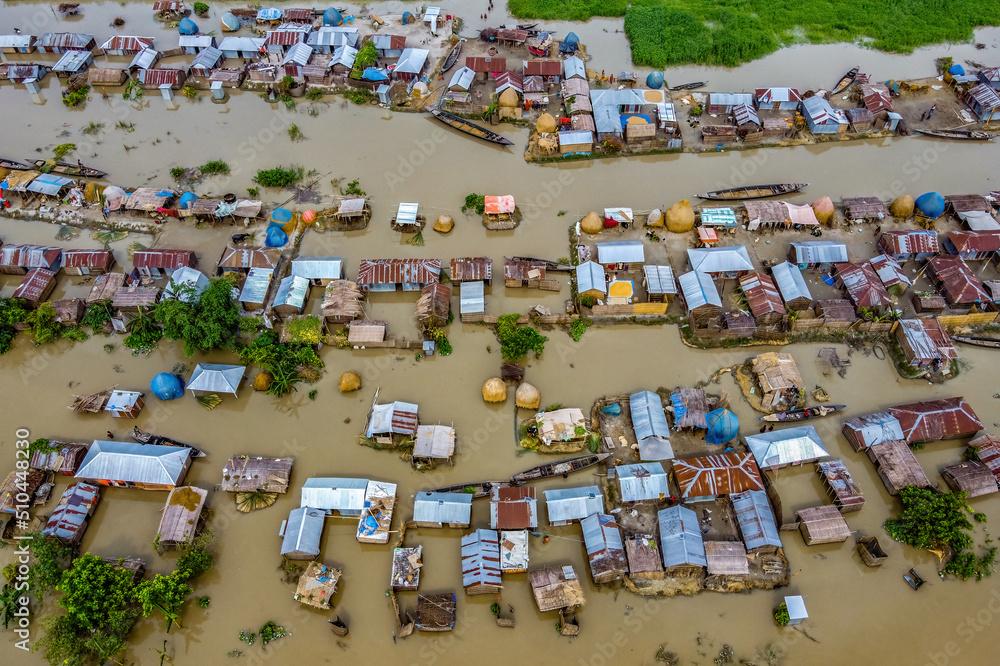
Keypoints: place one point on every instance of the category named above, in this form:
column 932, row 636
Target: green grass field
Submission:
column 730, row 32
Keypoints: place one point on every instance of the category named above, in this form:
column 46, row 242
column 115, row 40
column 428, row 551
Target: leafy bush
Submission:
column 214, row 168
column 200, row 8
column 781, row 616
column 144, row 333
column 516, row 340
column 366, row 57
column 285, row 361
column 62, row 150
column 359, row 95
column 294, row 133
column 74, row 98
column 314, row 94
column 353, row 189
column 474, row 203
column 279, row 176
column 189, row 91
column 12, row 313
column 578, row 327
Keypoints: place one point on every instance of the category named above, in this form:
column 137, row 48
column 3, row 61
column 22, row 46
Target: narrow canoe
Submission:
column 993, row 343
column 470, row 128
column 452, row 58
column 67, row 169
column 13, row 164
column 960, row 135
column 753, row 192
column 802, row 414
column 845, row 81
column 560, row 468
column 694, row 85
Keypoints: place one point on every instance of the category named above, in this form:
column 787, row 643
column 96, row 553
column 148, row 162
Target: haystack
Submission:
column 349, row 381
column 527, row 397
column 655, row 218
column 262, row 381
column 591, row 223
column 444, row 224
column 509, row 99
column 680, row 217
column 546, row 123
column 494, row 390
column 824, row 209
column 902, row 207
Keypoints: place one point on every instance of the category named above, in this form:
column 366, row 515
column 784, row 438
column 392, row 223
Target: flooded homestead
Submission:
column 400, row 157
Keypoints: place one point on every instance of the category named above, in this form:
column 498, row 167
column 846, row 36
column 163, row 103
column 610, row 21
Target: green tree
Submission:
column 98, row 596
column 12, row 313
column 164, row 593
column 212, row 321
column 516, row 340
column 144, row 333
column 285, row 361
column 49, row 558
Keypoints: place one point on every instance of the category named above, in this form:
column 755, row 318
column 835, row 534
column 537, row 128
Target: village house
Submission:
column 195, row 44
column 840, row 485
column 514, row 556
column 19, row 259
column 243, row 260
column 433, row 443
column 889, row 272
column 389, row 46
column 756, row 520
column 411, row 64
column 973, row 245
column 291, row 295
column 481, row 562
column 863, row 286
column 706, row 477
column 822, row 118
column 398, row 274
column 777, row 99
column 907, row 244
column 69, row 520
column 591, row 281
column 681, row 540
column 722, row 103
column 817, row 254
column 61, row 458
column 394, row 418
column 216, row 378
column 472, row 301
column 61, row 42
column 513, row 508
column 785, row 447
column 605, row 551
column 566, row 505
column 792, row 286
column 301, row 533
column 106, row 76
column 126, row 45
column 700, row 297
column 649, row 425
column 778, row 380
column 255, row 290
column 72, row 62
column 897, row 466
column 158, row 79
column 245, row 48
column 556, row 588
column 129, row 465
column 926, row 421
column 762, row 298
column 181, row 516
column 328, row 39
column 435, row 509
column 720, row 262
column 864, row 209
column 970, row 477
column 155, row 263
column 925, row 343
column 35, row 287
column 659, row 283
column 822, row 524
column 486, row 66
column 285, row 36
column 344, row 497
column 249, row 474
column 21, row 43
column 960, row 286
column 640, row 482
column 87, row 262
column 983, row 101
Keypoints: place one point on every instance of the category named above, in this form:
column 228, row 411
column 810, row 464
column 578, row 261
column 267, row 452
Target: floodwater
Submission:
column 858, row 615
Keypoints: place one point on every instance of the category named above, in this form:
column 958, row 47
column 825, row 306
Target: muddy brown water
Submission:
column 859, row 615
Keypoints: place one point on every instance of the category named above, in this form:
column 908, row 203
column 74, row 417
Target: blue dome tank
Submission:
column 230, row 22
column 654, row 80
column 931, row 204
column 407, row 18
column 572, row 38
column 281, row 215
column 187, row 27
column 723, row 426
column 332, row 16
column 186, row 199
column 956, row 70
column 166, row 386
column 276, row 236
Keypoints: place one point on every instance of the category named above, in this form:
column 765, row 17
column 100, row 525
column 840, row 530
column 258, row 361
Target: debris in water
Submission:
column 725, row 655
column 66, row 233
column 665, row 656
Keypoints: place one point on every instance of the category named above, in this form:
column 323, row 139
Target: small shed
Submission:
column 643, row 556
column 36, row 286
column 513, row 508
column 406, row 566
column 434, row 305
column 181, row 515
column 436, row 509
column 605, row 550
column 659, row 282
column 514, row 557
column 433, row 443
column 248, row 473
column 897, row 466
column 641, row 482
column 681, row 538
column 822, row 524
column 481, row 562
column 796, row 607
column 124, row 404
column 343, row 302
column 840, row 485
column 436, row 612
column 216, row 378
column 68, row 521
column 566, row 505
column 591, row 281
column 756, row 519
column 62, row 458
column 472, row 301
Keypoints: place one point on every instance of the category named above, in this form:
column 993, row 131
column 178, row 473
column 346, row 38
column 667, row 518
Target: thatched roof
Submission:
column 343, row 301
column 897, row 466
column 972, row 477
column 247, row 473
column 180, row 516
column 556, row 587
column 434, row 303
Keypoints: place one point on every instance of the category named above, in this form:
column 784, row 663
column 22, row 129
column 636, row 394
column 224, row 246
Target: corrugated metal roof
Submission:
column 35, row 285
column 127, row 43
column 216, row 378
column 659, row 279
column 718, row 474
column 145, row 58
column 761, row 294
column 134, row 463
column 65, row 40
column 72, row 61
column 318, row 268
column 411, row 61
column 16, row 41
column 472, row 298
column 208, row 58
column 298, row 53
column 820, row 112
column 874, row 428
column 819, row 252
column 376, row 272
column 335, row 36
column 241, row 44
column 621, row 252
column 730, row 259
column 292, row 290
column 576, row 138
column 756, row 519
column 462, row 78
column 196, row 41
column 605, row 550
column 186, row 283
column 648, row 417
column 395, row 417
column 573, row 66
column 406, row 214
column 69, row 519
column 718, row 217
column 303, row 532
column 788, row 446
column 889, row 271
column 255, row 287
column 863, row 285
column 642, row 481
column 790, row 282
column 345, row 495
column 590, row 276
column 729, row 99
column 443, row 508
column 567, row 504
column 699, row 289
column 481, row 558
column 49, row 184
column 344, row 55
column 680, row 537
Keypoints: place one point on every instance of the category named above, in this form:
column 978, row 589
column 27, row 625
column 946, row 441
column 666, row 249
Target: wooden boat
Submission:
column 13, row 164
column 144, row 437
column 338, row 626
column 845, row 81
column 477, row 489
column 560, row 468
column 870, row 551
column 959, row 134
column 993, row 343
column 452, row 57
column 527, row 26
column 470, row 128
column 802, row 414
column 753, row 192
column 694, row 85
column 67, row 169
column 913, row 579
column 68, row 8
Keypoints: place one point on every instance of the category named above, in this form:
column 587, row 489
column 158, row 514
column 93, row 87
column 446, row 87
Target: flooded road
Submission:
column 859, row 615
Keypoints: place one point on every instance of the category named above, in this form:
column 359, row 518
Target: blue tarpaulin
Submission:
column 723, row 426
column 374, row 74
column 281, row 215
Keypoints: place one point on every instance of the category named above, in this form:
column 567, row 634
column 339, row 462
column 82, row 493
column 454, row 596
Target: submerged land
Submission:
column 238, row 594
